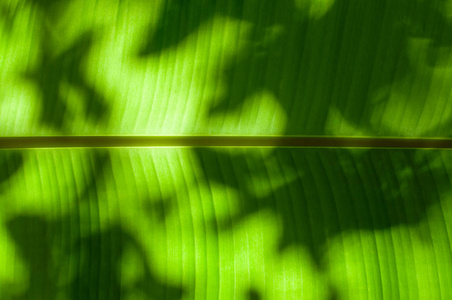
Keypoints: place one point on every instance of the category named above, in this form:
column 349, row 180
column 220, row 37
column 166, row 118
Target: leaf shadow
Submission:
column 64, row 90
column 53, row 72
column 336, row 192
column 284, row 56
column 73, row 256
column 363, row 51
column 49, row 250
column 10, row 163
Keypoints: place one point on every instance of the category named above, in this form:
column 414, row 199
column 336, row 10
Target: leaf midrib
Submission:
column 107, row 141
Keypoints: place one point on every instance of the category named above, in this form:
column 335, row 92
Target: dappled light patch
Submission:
column 209, row 222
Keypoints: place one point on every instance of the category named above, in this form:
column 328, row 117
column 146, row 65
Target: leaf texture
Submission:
column 208, row 223
column 230, row 222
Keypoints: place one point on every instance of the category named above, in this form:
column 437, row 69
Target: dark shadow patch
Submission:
column 53, row 72
column 76, row 256
column 96, row 181
column 50, row 249
column 7, row 14
column 254, row 295
column 10, row 163
column 181, row 18
column 340, row 60
column 338, row 192
column 100, row 260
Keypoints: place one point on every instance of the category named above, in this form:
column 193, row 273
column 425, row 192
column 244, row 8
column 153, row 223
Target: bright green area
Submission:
column 227, row 224
column 335, row 67
column 207, row 223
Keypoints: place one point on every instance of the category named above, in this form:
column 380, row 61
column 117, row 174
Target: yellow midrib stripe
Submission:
column 30, row 142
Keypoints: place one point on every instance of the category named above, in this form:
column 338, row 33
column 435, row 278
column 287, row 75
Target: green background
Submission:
column 231, row 223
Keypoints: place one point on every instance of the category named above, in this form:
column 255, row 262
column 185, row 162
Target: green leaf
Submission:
column 225, row 223
column 343, row 67
column 220, row 223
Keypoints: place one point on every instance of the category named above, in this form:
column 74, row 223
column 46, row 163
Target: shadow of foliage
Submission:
column 59, row 72
column 101, row 166
column 363, row 49
column 180, row 18
column 338, row 191
column 10, row 163
column 75, row 257
column 53, row 71
column 50, row 249
column 253, row 295
column 7, row 16
column 327, row 193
